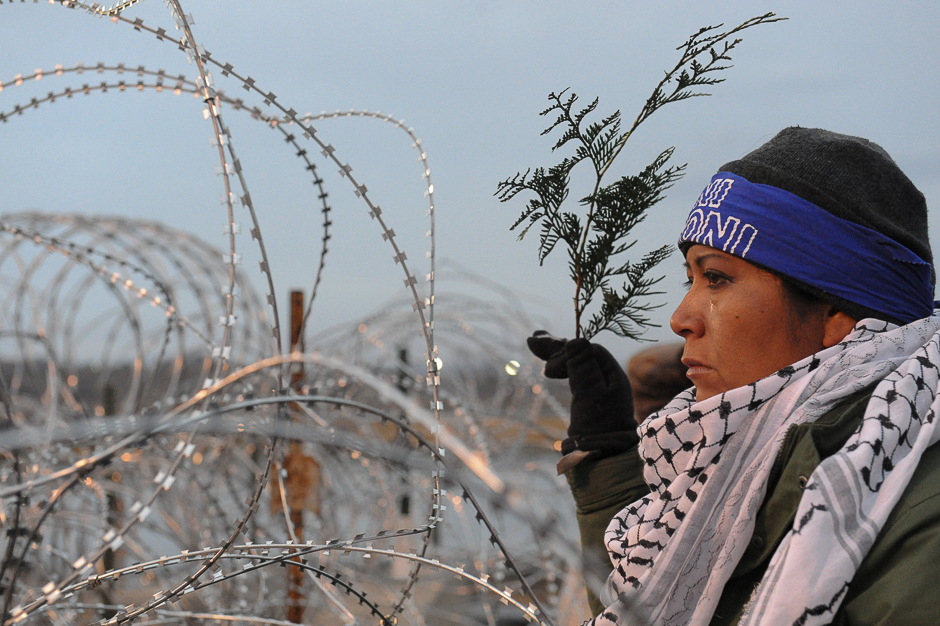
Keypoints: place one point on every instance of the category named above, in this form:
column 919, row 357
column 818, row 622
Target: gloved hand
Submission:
column 601, row 398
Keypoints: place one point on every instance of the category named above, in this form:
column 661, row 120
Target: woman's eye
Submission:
column 712, row 278
column 715, row 279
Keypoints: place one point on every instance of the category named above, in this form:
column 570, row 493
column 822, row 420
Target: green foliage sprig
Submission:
column 595, row 245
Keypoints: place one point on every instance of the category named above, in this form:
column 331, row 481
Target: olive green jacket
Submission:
column 897, row 583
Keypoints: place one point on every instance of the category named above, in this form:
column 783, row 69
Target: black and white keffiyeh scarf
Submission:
column 707, row 464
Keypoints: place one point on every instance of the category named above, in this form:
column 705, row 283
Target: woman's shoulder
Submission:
column 896, row 582
column 831, row 432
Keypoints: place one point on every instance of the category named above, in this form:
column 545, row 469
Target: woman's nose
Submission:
column 687, row 320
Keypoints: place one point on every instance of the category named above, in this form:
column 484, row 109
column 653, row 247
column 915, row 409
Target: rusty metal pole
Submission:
column 109, row 559
column 302, row 485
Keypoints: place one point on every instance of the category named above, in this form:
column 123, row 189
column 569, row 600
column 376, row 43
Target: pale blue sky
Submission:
column 470, row 77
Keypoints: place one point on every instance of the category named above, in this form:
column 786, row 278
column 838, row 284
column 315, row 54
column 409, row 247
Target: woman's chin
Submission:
column 705, row 385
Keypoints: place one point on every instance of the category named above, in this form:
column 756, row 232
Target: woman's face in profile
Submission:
column 738, row 323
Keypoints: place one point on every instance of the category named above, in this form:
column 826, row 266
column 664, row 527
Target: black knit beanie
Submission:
column 851, row 178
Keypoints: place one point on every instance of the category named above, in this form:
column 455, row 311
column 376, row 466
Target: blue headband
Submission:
column 783, row 232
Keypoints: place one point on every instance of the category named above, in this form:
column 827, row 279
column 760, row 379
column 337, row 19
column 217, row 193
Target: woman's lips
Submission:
column 695, row 367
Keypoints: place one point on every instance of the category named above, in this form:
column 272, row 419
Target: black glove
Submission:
column 601, row 398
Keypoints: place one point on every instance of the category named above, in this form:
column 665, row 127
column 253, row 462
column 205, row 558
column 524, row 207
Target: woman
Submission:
column 797, row 481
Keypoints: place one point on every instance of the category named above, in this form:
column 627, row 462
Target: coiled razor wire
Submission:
column 146, row 398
